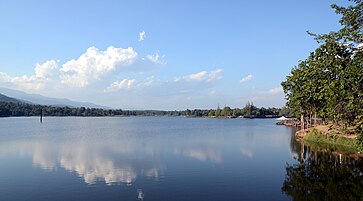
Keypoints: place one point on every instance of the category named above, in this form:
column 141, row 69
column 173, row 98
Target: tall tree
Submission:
column 329, row 82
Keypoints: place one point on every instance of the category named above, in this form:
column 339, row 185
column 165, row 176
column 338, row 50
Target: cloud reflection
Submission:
column 110, row 161
column 246, row 152
column 93, row 162
column 95, row 168
column 201, row 154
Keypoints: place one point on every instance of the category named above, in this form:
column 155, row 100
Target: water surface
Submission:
column 146, row 158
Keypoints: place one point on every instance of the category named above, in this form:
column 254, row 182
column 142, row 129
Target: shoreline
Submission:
column 146, row 115
column 330, row 135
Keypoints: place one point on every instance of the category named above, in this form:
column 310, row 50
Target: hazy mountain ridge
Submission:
column 21, row 96
column 4, row 98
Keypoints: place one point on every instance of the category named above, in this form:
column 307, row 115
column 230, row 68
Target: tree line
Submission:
column 8, row 109
column 329, row 83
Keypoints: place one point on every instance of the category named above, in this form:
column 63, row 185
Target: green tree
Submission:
column 218, row 112
column 247, row 110
column 329, row 82
column 236, row 112
column 227, row 111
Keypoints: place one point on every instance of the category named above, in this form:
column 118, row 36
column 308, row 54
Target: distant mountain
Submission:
column 43, row 100
column 8, row 99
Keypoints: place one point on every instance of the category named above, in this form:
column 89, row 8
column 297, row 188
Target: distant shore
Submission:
column 9, row 109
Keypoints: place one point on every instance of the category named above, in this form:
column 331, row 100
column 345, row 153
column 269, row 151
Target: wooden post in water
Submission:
column 41, row 115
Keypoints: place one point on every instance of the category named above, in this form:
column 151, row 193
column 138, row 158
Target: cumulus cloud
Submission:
column 94, row 66
column 46, row 70
column 119, row 85
column 95, row 63
column 247, row 78
column 43, row 74
column 202, row 76
column 142, row 36
column 156, row 58
column 28, row 83
column 276, row 90
column 94, row 71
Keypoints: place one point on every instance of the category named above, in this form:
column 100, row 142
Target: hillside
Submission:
column 43, row 100
column 8, row 99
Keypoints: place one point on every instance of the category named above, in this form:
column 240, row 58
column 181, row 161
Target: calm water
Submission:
column 166, row 158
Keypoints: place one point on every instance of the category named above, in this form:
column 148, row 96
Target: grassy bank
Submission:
column 321, row 135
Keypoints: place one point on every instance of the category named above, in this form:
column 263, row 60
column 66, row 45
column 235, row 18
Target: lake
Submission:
column 168, row 158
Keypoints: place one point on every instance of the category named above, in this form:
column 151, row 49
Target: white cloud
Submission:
column 95, row 63
column 28, row 83
column 142, row 36
column 43, row 74
column 269, row 98
column 156, row 59
column 119, row 85
column 276, row 90
column 93, row 72
column 247, row 78
column 202, row 76
column 94, row 66
column 47, row 69
column 4, row 77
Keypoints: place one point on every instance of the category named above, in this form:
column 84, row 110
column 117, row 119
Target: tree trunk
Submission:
column 311, row 121
column 302, row 122
column 315, row 118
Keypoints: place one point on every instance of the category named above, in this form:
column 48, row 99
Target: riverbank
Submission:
column 330, row 134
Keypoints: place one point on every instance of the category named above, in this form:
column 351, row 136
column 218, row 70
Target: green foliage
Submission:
column 212, row 113
column 359, row 130
column 218, row 112
column 314, row 132
column 285, row 111
column 360, row 142
column 329, row 82
column 22, row 109
column 227, row 111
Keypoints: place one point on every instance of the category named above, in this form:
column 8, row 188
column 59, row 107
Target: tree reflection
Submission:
column 324, row 175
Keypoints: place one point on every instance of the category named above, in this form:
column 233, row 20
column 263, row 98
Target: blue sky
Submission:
column 158, row 54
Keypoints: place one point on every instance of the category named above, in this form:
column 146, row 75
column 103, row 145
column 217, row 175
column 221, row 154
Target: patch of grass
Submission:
column 346, row 142
column 314, row 131
column 332, row 138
